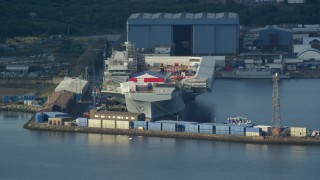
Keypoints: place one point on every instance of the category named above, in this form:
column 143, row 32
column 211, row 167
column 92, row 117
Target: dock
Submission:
column 31, row 125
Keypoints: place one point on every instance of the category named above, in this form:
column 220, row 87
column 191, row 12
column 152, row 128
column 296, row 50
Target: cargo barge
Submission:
column 31, row 125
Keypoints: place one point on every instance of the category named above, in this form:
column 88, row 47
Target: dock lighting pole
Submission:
column 276, row 119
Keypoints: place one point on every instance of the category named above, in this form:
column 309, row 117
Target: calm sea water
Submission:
column 35, row 155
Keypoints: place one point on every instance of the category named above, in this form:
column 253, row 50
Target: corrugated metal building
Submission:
column 116, row 115
column 274, row 36
column 187, row 33
column 74, row 85
column 62, row 101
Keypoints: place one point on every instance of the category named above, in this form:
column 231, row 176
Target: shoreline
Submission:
column 292, row 76
column 31, row 125
column 18, row 108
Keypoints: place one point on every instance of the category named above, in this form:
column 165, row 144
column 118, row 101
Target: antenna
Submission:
column 276, row 119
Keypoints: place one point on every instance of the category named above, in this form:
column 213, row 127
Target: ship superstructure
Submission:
column 119, row 67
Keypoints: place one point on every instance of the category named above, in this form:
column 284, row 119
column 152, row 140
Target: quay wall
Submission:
column 31, row 125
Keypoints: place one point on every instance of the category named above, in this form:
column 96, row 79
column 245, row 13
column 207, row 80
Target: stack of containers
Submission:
column 206, row 128
column 8, row 99
column 183, row 125
column 298, row 131
column 222, row 129
column 237, row 130
column 141, row 125
column 253, row 131
column 29, row 98
column 265, row 130
column 95, row 123
column 192, row 128
column 110, row 124
column 82, row 122
column 168, row 125
column 154, row 126
column 123, row 124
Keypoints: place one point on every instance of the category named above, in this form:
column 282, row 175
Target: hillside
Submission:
column 83, row 17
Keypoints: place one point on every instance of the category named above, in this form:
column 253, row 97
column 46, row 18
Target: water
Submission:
column 299, row 102
column 36, row 155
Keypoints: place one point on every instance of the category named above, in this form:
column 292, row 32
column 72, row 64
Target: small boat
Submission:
column 238, row 120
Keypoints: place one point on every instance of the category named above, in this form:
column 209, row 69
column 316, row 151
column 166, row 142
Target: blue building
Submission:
column 186, row 33
column 274, row 37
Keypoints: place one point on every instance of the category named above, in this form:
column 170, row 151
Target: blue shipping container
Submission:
column 181, row 128
column 237, row 133
column 253, row 129
column 222, row 127
column 137, row 124
column 83, row 122
column 206, row 128
column 237, row 128
column 169, row 127
column 222, row 132
column 154, row 126
column 29, row 97
column 193, row 128
column 5, row 99
column 39, row 117
column 8, row 99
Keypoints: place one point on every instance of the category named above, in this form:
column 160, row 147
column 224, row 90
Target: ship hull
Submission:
column 157, row 109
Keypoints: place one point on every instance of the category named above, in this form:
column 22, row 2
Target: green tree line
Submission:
column 84, row 17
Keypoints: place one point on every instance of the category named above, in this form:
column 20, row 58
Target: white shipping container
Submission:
column 252, row 133
column 111, row 124
column 122, row 124
column 267, row 130
column 298, row 131
column 96, row 123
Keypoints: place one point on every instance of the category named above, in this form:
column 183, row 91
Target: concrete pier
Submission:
column 212, row 137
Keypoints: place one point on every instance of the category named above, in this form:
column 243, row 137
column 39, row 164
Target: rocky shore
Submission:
column 18, row 108
column 31, row 125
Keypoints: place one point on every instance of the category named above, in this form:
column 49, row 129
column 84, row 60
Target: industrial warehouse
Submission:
column 186, row 33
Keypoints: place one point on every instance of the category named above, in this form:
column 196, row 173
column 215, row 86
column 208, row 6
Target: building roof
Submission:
column 151, row 73
column 60, row 99
column 115, row 113
column 184, row 18
column 75, row 85
column 275, row 27
column 313, row 53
